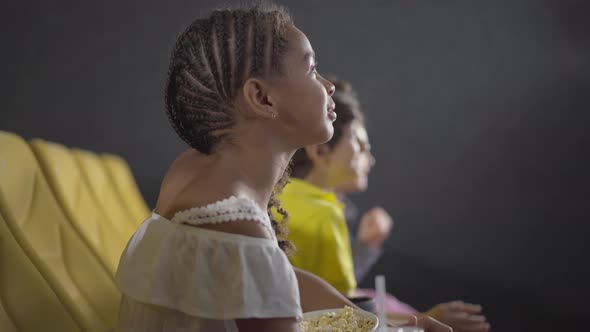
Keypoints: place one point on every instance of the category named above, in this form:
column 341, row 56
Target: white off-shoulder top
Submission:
column 176, row 277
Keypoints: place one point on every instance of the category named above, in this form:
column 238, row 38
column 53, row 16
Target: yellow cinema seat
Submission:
column 6, row 323
column 104, row 191
column 106, row 238
column 27, row 302
column 39, row 225
column 126, row 186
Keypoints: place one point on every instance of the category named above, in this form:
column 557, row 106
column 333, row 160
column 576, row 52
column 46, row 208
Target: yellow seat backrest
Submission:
column 126, row 186
column 43, row 231
column 106, row 239
column 27, row 302
column 104, row 192
column 6, row 323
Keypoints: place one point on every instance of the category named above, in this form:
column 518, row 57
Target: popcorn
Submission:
column 343, row 320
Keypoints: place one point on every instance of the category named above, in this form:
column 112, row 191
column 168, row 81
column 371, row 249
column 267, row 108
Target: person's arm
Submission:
column 373, row 229
column 364, row 257
column 317, row 294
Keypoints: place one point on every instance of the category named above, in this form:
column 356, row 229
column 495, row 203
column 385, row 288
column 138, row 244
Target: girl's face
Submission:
column 303, row 97
column 349, row 162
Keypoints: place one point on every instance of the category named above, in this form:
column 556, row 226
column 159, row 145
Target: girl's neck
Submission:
column 195, row 179
column 254, row 172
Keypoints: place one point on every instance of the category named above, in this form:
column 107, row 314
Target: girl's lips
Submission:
column 331, row 114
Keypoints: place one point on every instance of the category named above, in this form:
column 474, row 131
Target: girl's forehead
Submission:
column 299, row 45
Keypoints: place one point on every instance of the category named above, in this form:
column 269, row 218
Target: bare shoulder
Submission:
column 193, row 181
column 189, row 170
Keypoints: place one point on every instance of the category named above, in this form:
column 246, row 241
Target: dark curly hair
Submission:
column 211, row 61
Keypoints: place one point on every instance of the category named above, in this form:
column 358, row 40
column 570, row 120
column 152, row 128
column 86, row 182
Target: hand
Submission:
column 461, row 316
column 429, row 324
column 375, row 227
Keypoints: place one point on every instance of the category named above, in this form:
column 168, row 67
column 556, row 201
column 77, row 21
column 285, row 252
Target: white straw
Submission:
column 380, row 287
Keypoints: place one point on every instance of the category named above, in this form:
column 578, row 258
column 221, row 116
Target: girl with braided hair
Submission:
column 243, row 92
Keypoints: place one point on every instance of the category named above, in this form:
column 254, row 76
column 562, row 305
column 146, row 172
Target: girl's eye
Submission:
column 314, row 69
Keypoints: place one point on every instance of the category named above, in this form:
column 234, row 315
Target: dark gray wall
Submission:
column 477, row 112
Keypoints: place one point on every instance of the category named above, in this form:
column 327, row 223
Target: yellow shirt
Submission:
column 318, row 229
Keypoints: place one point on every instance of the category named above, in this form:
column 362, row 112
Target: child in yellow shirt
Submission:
column 317, row 223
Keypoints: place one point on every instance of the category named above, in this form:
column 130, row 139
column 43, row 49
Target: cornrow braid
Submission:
column 212, row 53
column 260, row 45
column 240, row 45
column 210, row 62
column 278, row 44
column 229, row 38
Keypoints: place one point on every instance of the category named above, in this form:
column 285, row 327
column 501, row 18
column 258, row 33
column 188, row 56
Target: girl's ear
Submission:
column 256, row 95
